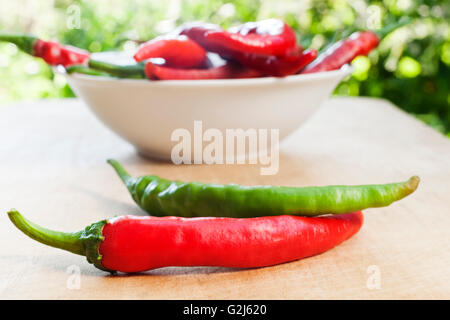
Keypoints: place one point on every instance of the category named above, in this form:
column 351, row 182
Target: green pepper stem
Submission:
column 123, row 174
column 85, row 70
column 22, row 41
column 135, row 70
column 61, row 240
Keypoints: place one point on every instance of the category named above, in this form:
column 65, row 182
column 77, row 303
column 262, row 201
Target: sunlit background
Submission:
column 410, row 67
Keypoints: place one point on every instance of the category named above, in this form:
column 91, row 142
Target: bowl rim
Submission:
column 345, row 70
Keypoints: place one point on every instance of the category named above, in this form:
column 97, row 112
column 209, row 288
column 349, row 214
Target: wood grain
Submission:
column 53, row 170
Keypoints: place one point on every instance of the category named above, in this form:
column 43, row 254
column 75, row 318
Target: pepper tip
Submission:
column 12, row 213
column 413, row 183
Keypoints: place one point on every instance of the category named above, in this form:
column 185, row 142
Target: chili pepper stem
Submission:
column 123, row 174
column 85, row 242
column 61, row 240
column 22, row 41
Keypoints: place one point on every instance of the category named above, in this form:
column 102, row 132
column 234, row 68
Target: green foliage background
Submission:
column 410, row 67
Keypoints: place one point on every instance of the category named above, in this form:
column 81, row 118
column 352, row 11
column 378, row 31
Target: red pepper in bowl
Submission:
column 269, row 46
column 277, row 66
column 135, row 244
column 52, row 52
column 196, row 31
column 178, row 52
column 267, row 37
column 158, row 72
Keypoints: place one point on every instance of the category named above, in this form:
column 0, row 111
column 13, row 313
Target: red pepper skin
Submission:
column 39, row 48
column 134, row 244
column 154, row 71
column 72, row 55
column 246, row 73
column 269, row 65
column 266, row 37
column 227, row 71
column 197, row 32
column 179, row 52
column 50, row 52
column 277, row 66
column 344, row 51
column 55, row 54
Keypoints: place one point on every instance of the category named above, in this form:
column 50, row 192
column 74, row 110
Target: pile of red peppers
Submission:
column 254, row 49
column 206, row 51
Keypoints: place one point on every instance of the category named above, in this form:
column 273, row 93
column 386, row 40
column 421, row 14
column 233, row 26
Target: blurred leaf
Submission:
column 409, row 67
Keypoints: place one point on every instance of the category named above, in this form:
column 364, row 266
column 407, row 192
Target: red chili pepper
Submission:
column 49, row 51
column 55, row 54
column 227, row 71
column 135, row 244
column 179, row 52
column 196, row 31
column 344, row 51
column 246, row 73
column 277, row 66
column 52, row 52
column 154, row 71
column 290, row 63
column 72, row 55
column 267, row 37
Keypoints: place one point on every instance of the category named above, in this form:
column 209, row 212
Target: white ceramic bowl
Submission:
column 145, row 113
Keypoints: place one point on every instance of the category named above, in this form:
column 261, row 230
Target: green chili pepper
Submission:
column 86, row 70
column 161, row 197
column 135, row 70
column 117, row 64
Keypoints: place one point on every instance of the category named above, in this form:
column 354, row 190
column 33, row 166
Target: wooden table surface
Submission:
column 53, row 170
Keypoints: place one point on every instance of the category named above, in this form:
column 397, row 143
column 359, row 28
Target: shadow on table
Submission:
column 292, row 163
column 177, row 271
column 110, row 202
column 65, row 265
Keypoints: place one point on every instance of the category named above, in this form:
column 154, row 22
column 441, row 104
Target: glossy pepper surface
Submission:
column 162, row 197
column 134, row 244
column 277, row 66
column 178, row 52
column 197, row 31
column 51, row 52
column 267, row 37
